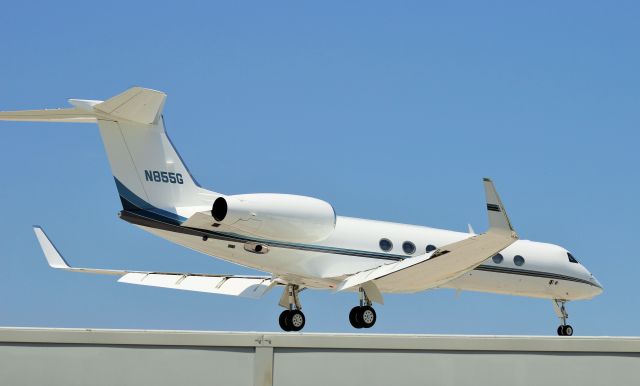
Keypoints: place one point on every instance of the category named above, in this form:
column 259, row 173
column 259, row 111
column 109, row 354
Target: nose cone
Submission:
column 596, row 287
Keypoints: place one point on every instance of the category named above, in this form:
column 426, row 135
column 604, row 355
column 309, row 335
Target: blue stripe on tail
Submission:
column 132, row 203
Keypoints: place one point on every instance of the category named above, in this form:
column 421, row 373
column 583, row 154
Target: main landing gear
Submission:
column 564, row 329
column 363, row 316
column 292, row 319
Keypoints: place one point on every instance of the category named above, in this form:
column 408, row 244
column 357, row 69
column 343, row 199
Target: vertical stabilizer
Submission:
column 149, row 173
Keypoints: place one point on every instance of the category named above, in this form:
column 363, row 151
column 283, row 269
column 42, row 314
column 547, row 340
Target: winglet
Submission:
column 498, row 219
column 54, row 258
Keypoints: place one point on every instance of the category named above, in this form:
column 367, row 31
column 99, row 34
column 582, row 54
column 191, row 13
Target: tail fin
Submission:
column 149, row 173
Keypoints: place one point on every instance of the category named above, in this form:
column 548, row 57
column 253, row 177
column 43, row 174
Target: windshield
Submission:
column 572, row 259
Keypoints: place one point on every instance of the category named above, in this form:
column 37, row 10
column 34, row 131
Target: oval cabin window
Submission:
column 518, row 260
column 386, row 245
column 408, row 247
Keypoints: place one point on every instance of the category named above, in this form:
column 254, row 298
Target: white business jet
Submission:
column 300, row 240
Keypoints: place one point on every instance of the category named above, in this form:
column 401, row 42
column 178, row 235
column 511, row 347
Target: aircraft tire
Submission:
column 353, row 317
column 565, row 330
column 282, row 320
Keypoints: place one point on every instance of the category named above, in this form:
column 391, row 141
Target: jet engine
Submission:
column 276, row 216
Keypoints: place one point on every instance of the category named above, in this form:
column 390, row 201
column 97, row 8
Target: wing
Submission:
column 444, row 264
column 245, row 286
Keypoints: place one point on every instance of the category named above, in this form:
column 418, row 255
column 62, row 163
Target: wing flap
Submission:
column 222, row 285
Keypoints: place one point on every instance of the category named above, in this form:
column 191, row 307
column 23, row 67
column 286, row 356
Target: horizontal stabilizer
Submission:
column 137, row 104
column 234, row 285
column 49, row 115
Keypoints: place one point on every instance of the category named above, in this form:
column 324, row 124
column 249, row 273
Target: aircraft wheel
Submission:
column 295, row 320
column 567, row 330
column 366, row 316
column 282, row 320
column 353, row 317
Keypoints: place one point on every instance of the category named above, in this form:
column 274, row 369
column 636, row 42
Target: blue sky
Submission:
column 388, row 110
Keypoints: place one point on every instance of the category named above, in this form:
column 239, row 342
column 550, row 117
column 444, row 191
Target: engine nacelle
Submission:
column 276, row 216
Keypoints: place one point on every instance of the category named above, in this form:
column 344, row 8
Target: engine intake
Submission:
column 219, row 210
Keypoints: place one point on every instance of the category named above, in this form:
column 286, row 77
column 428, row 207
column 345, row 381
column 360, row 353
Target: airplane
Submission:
column 299, row 240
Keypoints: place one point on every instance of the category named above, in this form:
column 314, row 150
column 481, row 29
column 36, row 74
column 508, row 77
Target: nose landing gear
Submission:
column 363, row 316
column 564, row 329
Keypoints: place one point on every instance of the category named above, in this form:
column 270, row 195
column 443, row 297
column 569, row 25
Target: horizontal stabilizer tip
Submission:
column 137, row 104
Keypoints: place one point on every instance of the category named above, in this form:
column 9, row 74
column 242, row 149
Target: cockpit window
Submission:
column 572, row 259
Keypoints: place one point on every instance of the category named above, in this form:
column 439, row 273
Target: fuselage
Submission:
column 526, row 268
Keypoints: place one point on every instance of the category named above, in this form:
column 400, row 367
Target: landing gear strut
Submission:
column 363, row 316
column 292, row 319
column 564, row 329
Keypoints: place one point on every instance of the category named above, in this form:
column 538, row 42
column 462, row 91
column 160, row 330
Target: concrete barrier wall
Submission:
column 136, row 357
